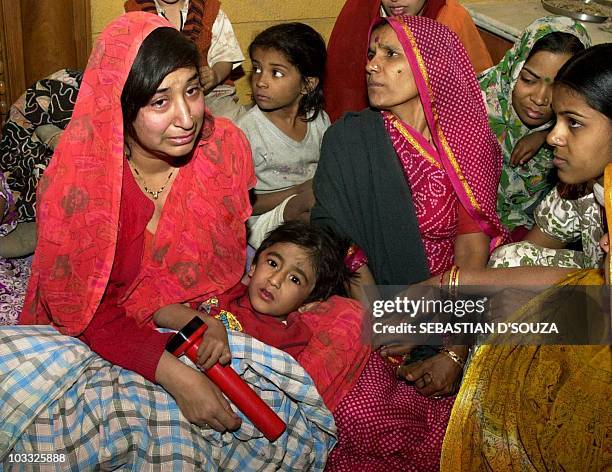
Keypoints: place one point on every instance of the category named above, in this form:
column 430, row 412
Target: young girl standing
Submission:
column 207, row 25
column 286, row 126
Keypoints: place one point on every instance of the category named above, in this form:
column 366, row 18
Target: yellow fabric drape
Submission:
column 536, row 408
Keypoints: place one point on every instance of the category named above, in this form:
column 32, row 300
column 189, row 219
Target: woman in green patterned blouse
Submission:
column 518, row 94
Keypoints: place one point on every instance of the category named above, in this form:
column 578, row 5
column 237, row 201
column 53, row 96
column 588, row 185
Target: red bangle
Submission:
column 355, row 258
column 453, row 281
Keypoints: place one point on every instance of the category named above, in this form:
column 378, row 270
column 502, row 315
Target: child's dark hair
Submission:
column 162, row 52
column 557, row 42
column 326, row 250
column 303, row 47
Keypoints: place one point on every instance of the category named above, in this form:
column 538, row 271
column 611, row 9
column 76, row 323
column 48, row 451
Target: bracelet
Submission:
column 355, row 258
column 456, row 283
column 454, row 356
column 442, row 279
column 453, row 281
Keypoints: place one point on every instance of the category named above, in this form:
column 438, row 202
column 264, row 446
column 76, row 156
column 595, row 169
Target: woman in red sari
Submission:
column 413, row 183
column 142, row 206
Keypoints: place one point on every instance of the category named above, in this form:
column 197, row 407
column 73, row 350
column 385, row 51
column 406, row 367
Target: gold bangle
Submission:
column 456, row 283
column 453, row 281
column 451, row 275
column 454, row 356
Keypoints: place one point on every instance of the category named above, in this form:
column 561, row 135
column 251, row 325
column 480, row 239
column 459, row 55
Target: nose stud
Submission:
column 374, row 67
column 556, row 140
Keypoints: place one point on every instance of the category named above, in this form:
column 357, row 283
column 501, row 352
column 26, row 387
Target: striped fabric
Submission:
column 198, row 23
column 58, row 397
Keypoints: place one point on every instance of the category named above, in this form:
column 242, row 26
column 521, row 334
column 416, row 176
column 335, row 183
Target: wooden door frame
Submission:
column 10, row 17
column 13, row 49
column 81, row 10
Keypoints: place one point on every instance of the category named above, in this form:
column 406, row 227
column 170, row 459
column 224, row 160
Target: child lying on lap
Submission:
column 293, row 301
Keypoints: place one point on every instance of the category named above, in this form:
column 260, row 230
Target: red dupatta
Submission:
column 199, row 245
column 457, row 117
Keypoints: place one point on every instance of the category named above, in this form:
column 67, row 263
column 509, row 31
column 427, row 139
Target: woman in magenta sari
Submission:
column 412, row 181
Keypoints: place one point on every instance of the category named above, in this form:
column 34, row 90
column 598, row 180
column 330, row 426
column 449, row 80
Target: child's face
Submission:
column 282, row 280
column 532, row 93
column 581, row 138
column 403, row 7
column 275, row 82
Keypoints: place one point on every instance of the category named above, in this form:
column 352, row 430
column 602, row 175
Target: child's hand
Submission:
column 214, row 346
column 303, row 187
column 208, row 78
column 604, row 243
column 298, row 208
column 526, row 147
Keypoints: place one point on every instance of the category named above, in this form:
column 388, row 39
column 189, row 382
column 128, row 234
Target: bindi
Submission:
column 376, row 39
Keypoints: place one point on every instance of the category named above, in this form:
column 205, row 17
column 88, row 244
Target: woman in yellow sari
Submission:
column 548, row 407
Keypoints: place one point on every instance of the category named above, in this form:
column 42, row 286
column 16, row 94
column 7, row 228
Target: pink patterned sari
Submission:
column 433, row 195
column 464, row 147
column 384, row 424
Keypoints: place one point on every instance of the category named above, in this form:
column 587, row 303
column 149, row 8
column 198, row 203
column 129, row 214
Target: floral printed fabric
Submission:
column 42, row 112
column 14, row 273
column 521, row 188
column 8, row 218
column 565, row 220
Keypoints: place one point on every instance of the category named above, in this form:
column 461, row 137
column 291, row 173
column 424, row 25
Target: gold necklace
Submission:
column 154, row 193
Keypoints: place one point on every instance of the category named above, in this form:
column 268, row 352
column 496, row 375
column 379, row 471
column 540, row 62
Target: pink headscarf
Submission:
column 344, row 85
column 456, row 116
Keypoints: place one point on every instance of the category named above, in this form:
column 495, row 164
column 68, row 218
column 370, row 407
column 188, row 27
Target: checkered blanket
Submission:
column 58, row 397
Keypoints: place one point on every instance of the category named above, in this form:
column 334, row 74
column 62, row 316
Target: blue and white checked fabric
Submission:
column 58, row 397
